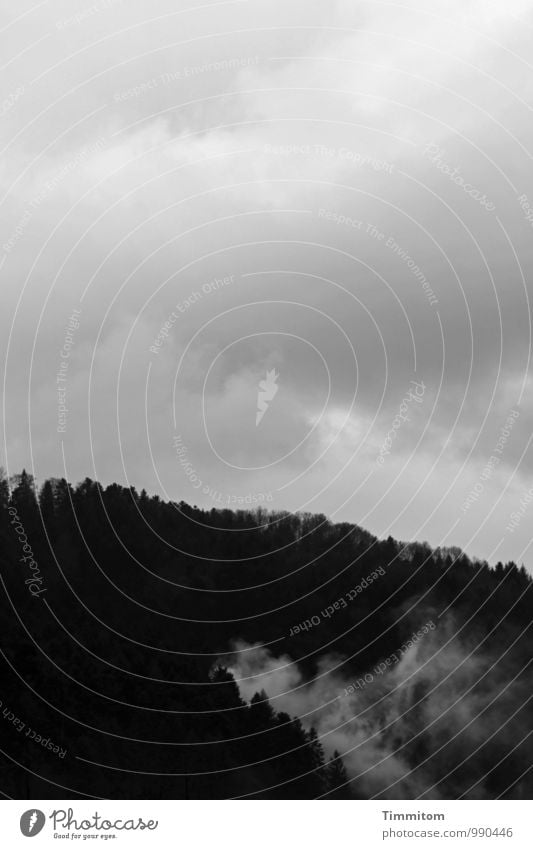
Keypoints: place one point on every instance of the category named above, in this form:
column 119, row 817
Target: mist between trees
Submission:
column 159, row 657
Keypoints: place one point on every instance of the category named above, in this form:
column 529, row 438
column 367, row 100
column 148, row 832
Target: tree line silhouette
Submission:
column 116, row 659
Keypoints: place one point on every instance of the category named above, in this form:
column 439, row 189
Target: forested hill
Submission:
column 116, row 607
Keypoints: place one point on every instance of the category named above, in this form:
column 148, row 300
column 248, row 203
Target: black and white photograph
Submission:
column 266, row 461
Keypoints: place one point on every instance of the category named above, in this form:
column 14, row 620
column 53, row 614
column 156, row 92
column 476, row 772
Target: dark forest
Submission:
column 125, row 619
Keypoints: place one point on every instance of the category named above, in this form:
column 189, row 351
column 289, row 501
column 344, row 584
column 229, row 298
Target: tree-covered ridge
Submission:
column 116, row 619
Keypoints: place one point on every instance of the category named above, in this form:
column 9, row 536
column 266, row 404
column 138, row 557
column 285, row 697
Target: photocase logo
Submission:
column 32, row 822
column 266, row 393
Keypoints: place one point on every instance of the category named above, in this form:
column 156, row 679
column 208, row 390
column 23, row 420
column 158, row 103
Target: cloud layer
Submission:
column 324, row 161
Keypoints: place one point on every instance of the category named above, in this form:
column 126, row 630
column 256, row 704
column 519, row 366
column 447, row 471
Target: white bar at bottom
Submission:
column 268, row 824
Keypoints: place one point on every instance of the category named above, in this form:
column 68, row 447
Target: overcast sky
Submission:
column 332, row 198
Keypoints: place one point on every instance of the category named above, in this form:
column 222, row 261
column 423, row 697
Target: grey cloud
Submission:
column 311, row 162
